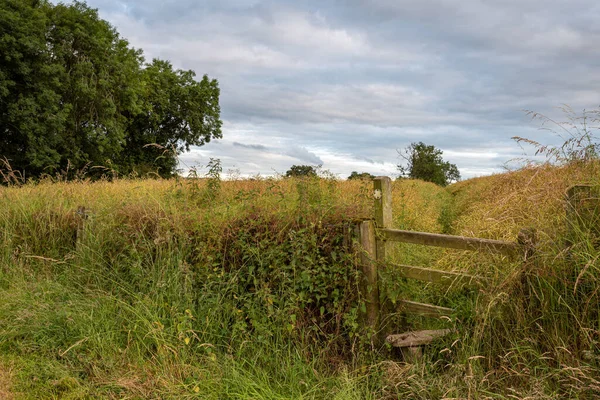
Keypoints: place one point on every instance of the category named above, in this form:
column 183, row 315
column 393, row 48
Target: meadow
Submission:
column 248, row 289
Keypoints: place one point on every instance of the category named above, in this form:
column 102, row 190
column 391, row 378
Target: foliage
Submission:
column 425, row 162
column 302, row 171
column 362, row 175
column 177, row 112
column 213, row 184
column 188, row 288
column 74, row 94
column 251, row 291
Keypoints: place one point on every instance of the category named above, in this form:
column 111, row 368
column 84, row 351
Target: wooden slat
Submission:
column 382, row 197
column 417, row 338
column 436, row 276
column 450, row 241
column 368, row 284
column 427, row 310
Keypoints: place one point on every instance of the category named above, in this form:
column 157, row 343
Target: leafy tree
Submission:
column 73, row 93
column 302, row 171
column 362, row 175
column 426, row 163
column 177, row 112
column 31, row 116
column 100, row 84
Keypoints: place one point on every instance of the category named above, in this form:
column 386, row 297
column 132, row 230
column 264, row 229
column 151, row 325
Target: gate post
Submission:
column 369, row 286
column 382, row 195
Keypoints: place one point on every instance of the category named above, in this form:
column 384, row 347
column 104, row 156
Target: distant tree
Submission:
column 362, row 175
column 425, row 162
column 302, row 171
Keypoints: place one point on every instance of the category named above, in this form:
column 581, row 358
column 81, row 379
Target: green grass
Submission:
column 249, row 290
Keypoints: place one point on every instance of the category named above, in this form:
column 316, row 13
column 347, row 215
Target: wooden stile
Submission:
column 418, row 338
column 376, row 235
column 426, row 310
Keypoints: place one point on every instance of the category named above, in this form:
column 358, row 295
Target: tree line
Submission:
column 74, row 95
column 420, row 161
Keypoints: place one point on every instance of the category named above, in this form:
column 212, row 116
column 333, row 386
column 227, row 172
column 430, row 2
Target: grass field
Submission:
column 248, row 289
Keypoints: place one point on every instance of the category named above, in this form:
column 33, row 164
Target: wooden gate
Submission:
column 375, row 237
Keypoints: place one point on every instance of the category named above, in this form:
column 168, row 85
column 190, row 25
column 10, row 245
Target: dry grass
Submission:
column 499, row 206
column 498, row 351
column 6, row 379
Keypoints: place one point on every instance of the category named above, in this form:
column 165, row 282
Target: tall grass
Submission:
column 180, row 289
column 202, row 288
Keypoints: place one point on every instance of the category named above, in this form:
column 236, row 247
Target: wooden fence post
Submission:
column 382, row 195
column 527, row 238
column 369, row 283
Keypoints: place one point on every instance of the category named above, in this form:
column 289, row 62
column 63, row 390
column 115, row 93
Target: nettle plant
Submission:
column 580, row 144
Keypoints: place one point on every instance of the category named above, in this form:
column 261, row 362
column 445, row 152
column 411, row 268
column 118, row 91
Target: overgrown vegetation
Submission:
column 189, row 288
column 202, row 288
column 76, row 98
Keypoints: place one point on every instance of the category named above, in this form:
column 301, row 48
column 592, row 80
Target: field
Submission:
column 248, row 289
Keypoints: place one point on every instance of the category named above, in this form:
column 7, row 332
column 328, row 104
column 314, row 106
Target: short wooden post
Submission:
column 527, row 238
column 369, row 283
column 382, row 196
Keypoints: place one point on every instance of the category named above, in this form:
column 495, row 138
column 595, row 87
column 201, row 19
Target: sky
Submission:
column 349, row 83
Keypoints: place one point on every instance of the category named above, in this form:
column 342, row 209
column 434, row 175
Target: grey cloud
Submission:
column 293, row 151
column 303, row 154
column 347, row 83
column 251, row 146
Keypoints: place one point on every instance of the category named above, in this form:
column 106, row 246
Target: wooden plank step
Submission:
column 436, row 276
column 416, row 338
column 427, row 310
column 451, row 241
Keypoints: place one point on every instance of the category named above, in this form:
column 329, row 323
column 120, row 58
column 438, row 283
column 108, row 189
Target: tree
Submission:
column 302, row 171
column 73, row 93
column 362, row 175
column 177, row 112
column 31, row 117
column 100, row 87
column 426, row 163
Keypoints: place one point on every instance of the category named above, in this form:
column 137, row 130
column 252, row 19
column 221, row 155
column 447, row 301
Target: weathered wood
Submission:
column 412, row 354
column 382, row 198
column 382, row 195
column 527, row 239
column 436, row 276
column 417, row 338
column 426, row 310
column 452, row 242
column 369, row 286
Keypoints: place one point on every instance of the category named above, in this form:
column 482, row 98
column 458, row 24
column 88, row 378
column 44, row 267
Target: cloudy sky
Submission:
column 346, row 83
